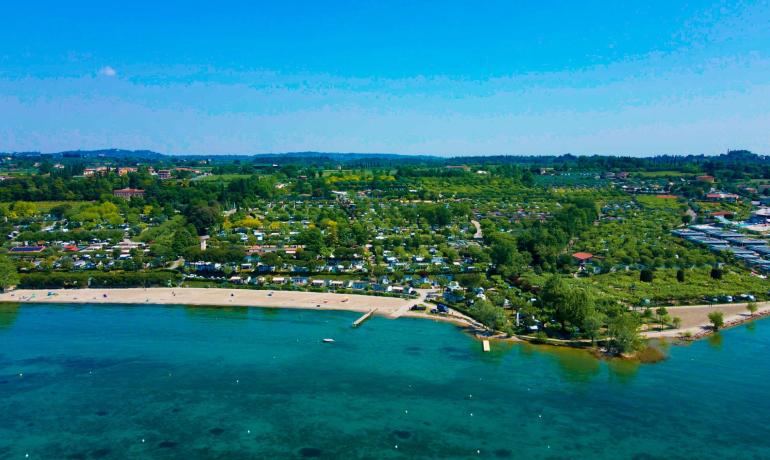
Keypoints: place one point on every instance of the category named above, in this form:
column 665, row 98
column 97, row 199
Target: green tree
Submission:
column 592, row 324
column 677, row 322
column 488, row 314
column 623, row 331
column 646, row 275
column 752, row 307
column 662, row 313
column 680, row 275
column 203, row 217
column 568, row 304
column 8, row 274
column 716, row 273
column 717, row 319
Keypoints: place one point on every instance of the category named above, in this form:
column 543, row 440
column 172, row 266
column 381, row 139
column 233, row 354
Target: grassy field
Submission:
column 665, row 289
column 655, row 202
column 626, row 287
column 45, row 206
column 222, row 177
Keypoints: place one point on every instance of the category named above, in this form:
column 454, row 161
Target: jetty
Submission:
column 366, row 316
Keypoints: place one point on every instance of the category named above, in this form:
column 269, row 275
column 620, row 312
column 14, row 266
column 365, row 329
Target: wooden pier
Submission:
column 366, row 316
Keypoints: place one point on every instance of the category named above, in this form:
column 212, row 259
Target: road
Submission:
column 478, row 235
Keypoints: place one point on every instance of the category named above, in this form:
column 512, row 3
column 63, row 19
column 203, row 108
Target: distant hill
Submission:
column 384, row 159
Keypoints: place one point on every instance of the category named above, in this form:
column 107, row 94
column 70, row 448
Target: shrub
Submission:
column 540, row 337
column 717, row 319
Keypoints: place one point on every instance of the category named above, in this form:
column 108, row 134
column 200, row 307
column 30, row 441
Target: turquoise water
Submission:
column 84, row 382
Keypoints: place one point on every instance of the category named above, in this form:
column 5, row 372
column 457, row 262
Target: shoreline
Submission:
column 695, row 317
column 697, row 324
column 388, row 307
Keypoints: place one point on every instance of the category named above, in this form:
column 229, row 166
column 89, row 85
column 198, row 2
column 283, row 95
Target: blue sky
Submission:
column 444, row 77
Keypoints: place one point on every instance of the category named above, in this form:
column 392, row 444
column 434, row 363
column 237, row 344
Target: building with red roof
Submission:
column 583, row 256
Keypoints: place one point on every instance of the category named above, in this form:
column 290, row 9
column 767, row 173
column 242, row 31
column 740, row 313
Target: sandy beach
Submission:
column 695, row 318
column 391, row 307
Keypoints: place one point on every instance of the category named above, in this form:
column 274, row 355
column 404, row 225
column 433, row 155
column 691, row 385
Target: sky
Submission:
column 415, row 77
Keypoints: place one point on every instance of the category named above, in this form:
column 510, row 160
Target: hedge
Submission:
column 55, row 280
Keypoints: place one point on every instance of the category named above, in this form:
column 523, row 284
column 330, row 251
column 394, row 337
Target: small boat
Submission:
column 328, row 340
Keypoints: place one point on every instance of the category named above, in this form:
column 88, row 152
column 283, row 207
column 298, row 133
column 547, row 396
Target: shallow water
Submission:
column 86, row 382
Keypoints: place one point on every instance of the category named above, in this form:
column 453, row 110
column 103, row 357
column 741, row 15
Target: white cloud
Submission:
column 108, row 71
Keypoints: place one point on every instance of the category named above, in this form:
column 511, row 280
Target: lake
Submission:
column 85, row 382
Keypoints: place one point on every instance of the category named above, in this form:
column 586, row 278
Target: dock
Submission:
column 366, row 316
column 485, row 345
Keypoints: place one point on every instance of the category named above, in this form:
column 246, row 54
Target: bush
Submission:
column 540, row 337
column 717, row 319
column 646, row 276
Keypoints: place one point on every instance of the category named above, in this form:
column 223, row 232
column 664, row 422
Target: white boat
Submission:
column 328, row 340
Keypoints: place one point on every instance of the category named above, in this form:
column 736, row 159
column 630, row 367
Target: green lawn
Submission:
column 223, row 177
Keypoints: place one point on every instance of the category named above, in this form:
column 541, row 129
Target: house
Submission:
column 128, row 193
column 453, row 296
column 358, row 285
column 90, row 172
column 721, row 196
column 204, row 266
column 27, row 249
column 318, row 283
column 707, row 179
column 582, row 257
column 164, row 174
column 381, row 288
column 279, row 280
column 725, row 214
column 125, row 171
